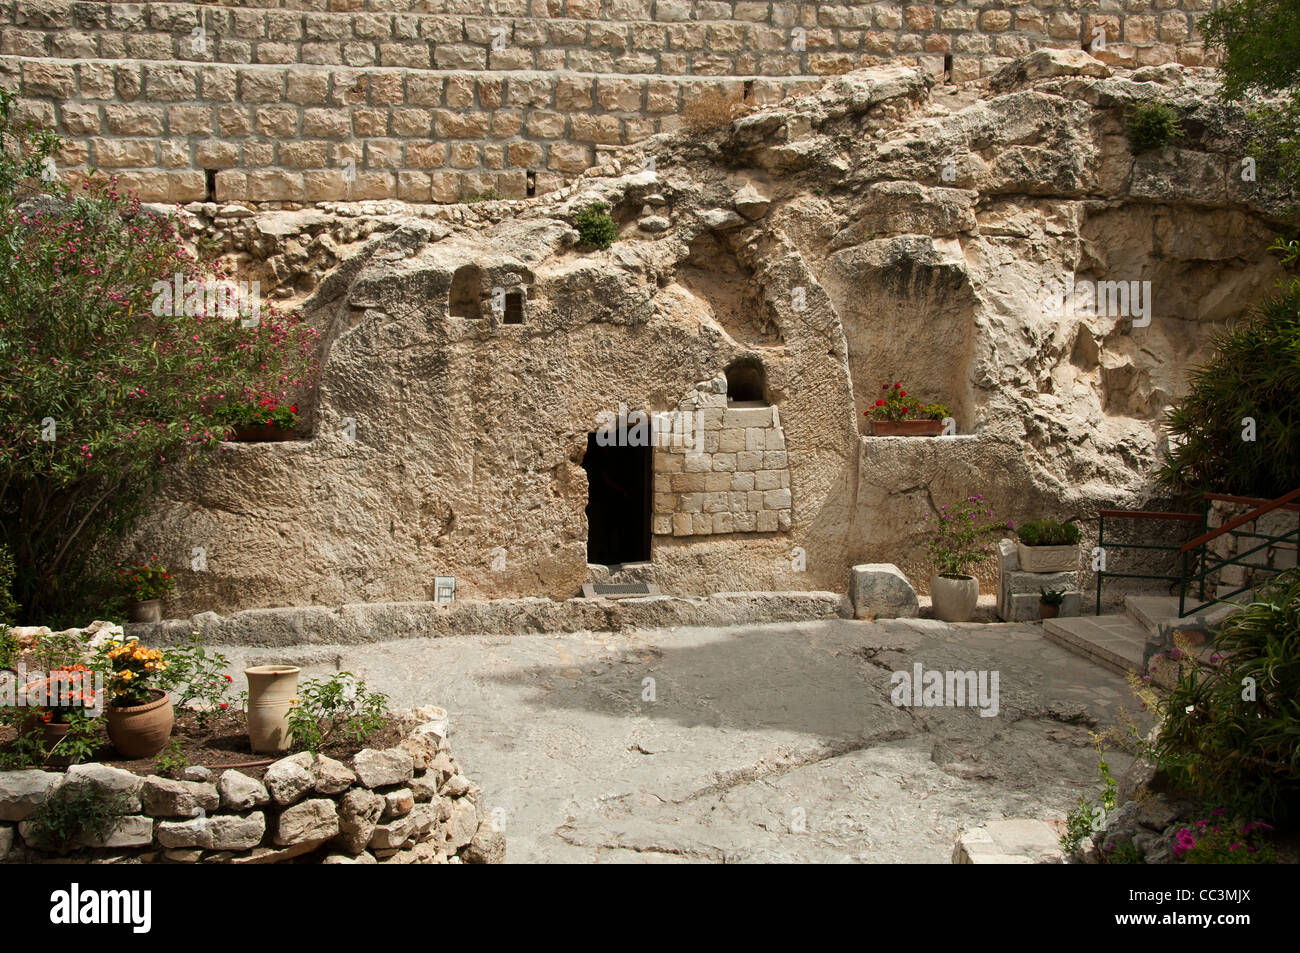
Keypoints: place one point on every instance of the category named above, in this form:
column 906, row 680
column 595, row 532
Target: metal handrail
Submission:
column 1250, row 517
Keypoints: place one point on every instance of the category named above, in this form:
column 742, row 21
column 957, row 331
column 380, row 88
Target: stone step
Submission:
column 1158, row 615
column 1115, row 642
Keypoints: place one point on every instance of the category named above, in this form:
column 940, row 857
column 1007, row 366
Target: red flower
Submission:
column 902, row 393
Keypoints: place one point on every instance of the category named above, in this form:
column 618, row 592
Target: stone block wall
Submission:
column 1277, row 557
column 738, row 481
column 408, row 804
column 446, row 100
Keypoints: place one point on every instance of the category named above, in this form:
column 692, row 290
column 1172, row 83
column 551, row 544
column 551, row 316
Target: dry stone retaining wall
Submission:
column 443, row 100
column 408, row 804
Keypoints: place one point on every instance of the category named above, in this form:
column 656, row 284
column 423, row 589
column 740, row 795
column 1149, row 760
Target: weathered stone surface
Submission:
column 880, row 591
column 125, row 783
column 359, row 812
column 462, row 825
column 239, row 792
column 487, row 846
column 130, row 831
column 1012, row 841
column 316, row 820
column 163, row 797
column 219, row 832
column 398, row 803
column 362, row 858
column 455, row 786
column 393, row 834
column 6, row 840
column 196, row 772
column 22, row 792
column 330, row 776
column 376, row 769
column 289, row 779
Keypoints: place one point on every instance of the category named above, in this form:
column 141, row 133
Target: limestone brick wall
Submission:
column 446, row 100
column 736, row 481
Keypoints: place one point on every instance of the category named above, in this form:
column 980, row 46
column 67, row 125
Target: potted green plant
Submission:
column 57, row 700
column 264, row 421
column 960, row 539
column 140, row 715
column 1049, row 603
column 899, row 415
column 146, row 584
column 1048, row 546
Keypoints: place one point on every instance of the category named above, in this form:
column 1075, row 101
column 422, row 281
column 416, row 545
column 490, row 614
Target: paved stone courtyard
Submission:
column 762, row 743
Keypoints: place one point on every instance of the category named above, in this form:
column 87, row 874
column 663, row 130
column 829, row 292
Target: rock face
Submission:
column 880, row 591
column 1002, row 252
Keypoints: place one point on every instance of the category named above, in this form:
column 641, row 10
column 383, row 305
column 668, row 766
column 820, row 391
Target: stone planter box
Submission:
column 1019, row 592
column 402, row 805
column 1048, row 558
column 907, row 428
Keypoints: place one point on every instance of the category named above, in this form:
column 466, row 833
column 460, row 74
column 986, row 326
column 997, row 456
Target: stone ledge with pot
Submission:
column 409, row 804
column 1020, row 589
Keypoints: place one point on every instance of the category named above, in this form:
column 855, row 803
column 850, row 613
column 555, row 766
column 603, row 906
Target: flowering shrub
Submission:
column 99, row 387
column 146, row 581
column 132, row 670
column 195, row 675
column 64, row 693
column 340, row 706
column 1228, row 725
column 265, row 411
column 1215, row 840
column 896, row 405
column 960, row 538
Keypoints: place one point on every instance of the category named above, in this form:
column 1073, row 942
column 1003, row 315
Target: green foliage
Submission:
column 193, row 675
column 1231, row 723
column 491, row 195
column 104, row 378
column 898, row 405
column 595, row 226
column 145, row 581
column 1048, row 533
column 330, row 709
column 1125, row 852
column 1253, row 373
column 1216, row 840
column 1089, row 816
column 171, row 761
column 8, row 608
column 961, row 536
column 74, row 810
column 1259, row 42
column 29, row 749
column 1051, row 597
column 1152, row 125
column 266, row 411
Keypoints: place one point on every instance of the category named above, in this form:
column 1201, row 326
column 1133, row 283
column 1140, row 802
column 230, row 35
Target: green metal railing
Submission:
column 1198, row 563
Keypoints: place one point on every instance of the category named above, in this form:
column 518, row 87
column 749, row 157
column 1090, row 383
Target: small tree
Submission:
column 106, row 374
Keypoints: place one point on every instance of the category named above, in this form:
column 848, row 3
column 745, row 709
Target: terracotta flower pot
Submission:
column 141, row 731
column 954, row 597
column 1048, row 612
column 270, row 693
column 907, row 428
column 259, row 433
column 150, row 610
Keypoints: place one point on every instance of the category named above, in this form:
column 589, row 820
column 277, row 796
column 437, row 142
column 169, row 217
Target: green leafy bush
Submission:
column 74, row 810
column 8, row 608
column 1152, row 125
column 145, row 581
column 1231, row 723
column 195, row 675
column 1252, row 376
column 1048, row 533
column 29, row 749
column 961, row 536
column 595, row 226
column 330, row 709
column 1089, row 816
column 1051, row 597
column 106, row 378
column 1216, row 840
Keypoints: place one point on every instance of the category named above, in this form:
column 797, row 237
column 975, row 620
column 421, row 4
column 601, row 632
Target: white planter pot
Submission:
column 1048, row 558
column 954, row 597
column 270, row 691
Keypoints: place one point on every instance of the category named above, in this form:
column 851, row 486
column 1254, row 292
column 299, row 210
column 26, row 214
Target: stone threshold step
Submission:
column 1115, row 642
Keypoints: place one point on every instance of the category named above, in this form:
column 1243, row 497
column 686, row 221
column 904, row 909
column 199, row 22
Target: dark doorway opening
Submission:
column 746, row 380
column 514, row 307
column 619, row 481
